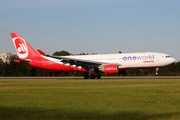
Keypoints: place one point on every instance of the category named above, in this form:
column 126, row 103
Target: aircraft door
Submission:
column 158, row 57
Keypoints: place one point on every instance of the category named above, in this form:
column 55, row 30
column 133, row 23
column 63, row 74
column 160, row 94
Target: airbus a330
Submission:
column 91, row 65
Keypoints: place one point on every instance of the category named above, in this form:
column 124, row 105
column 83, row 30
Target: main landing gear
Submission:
column 92, row 73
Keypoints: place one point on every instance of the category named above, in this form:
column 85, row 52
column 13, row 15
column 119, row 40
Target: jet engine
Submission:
column 110, row 68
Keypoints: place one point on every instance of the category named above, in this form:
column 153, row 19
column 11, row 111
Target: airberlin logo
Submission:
column 21, row 47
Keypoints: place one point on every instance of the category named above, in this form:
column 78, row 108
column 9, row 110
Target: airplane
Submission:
column 91, row 65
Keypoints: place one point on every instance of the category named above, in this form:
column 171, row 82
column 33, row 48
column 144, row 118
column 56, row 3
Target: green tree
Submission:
column 61, row 53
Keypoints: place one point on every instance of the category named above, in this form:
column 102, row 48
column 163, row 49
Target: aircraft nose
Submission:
column 173, row 60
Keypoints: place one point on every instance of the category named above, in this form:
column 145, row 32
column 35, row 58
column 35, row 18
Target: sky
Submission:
column 93, row 26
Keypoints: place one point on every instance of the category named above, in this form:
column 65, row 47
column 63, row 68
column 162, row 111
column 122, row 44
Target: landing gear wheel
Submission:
column 92, row 76
column 86, row 76
column 93, row 72
column 156, row 73
column 98, row 76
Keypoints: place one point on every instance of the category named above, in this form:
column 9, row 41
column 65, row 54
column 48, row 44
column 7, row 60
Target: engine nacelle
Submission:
column 110, row 68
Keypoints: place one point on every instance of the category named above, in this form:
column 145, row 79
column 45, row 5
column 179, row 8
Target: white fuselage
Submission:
column 131, row 60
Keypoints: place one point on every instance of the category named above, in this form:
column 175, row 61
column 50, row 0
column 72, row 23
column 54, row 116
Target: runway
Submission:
column 103, row 78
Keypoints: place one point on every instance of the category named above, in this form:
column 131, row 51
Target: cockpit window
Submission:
column 168, row 56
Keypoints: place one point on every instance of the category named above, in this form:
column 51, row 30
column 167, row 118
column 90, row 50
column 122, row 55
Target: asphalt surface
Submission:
column 103, row 78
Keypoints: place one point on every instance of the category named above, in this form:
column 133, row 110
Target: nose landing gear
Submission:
column 157, row 71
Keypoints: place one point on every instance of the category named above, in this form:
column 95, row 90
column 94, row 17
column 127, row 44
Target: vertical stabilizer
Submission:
column 23, row 49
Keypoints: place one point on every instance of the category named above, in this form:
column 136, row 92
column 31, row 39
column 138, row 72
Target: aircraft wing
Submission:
column 76, row 61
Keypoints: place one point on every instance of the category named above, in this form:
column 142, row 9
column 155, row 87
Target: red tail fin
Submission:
column 23, row 49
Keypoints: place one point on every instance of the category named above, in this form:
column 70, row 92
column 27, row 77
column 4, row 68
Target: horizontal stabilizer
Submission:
column 41, row 52
column 22, row 61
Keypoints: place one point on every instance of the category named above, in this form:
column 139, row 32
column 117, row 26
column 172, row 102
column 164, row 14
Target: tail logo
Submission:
column 21, row 47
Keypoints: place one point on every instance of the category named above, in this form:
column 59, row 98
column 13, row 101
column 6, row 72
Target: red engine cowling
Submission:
column 110, row 69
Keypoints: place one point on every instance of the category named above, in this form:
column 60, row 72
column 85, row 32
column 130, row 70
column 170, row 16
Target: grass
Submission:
column 91, row 100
